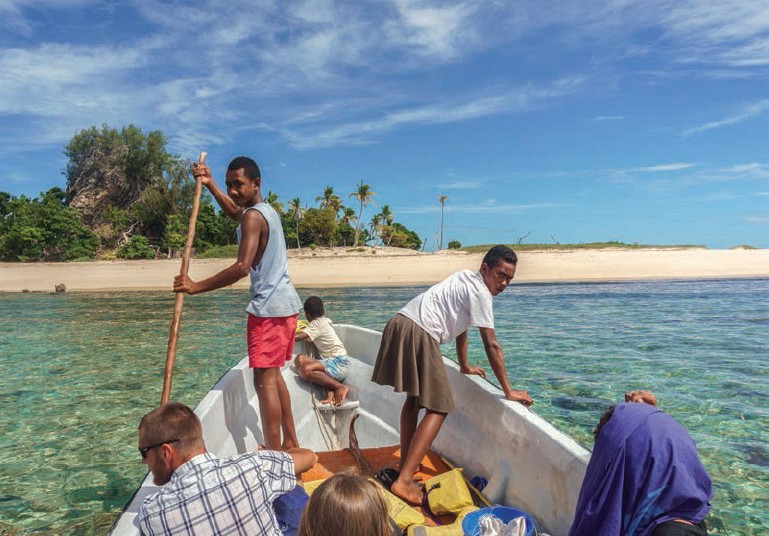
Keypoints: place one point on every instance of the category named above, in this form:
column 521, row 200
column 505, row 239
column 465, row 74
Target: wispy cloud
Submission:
column 750, row 171
column 665, row 167
column 760, row 219
column 320, row 73
column 714, row 32
column 460, row 185
column 489, row 207
column 602, row 118
column 457, row 110
column 748, row 112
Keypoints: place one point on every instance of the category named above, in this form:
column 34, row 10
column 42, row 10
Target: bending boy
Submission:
column 330, row 371
column 410, row 359
column 274, row 306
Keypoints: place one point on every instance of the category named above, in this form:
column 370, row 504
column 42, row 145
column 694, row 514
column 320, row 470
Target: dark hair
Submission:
column 498, row 254
column 249, row 167
column 314, row 306
column 603, row 420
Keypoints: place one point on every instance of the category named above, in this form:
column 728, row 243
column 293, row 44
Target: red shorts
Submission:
column 270, row 340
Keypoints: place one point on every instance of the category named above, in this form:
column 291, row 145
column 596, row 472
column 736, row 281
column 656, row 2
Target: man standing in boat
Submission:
column 274, row 306
column 410, row 359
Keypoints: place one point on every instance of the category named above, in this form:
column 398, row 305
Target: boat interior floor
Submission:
column 370, row 461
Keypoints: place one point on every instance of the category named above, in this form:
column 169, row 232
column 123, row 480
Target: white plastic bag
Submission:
column 491, row 525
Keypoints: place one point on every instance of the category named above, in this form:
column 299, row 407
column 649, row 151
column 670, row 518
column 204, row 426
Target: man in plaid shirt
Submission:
column 208, row 495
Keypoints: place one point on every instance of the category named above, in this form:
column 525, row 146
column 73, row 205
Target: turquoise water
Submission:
column 79, row 371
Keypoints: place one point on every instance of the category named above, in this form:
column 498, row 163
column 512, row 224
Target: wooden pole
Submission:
column 173, row 335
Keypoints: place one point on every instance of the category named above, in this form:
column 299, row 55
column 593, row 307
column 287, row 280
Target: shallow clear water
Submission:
column 79, row 371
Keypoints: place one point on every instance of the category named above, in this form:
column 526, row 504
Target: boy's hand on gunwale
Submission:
column 519, row 396
column 477, row 371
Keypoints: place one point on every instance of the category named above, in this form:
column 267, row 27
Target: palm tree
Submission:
column 376, row 227
column 365, row 197
column 330, row 200
column 442, row 199
column 387, row 215
column 387, row 219
column 296, row 210
column 347, row 216
column 272, row 200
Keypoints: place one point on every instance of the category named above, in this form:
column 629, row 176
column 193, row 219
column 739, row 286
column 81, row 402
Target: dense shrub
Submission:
column 137, row 247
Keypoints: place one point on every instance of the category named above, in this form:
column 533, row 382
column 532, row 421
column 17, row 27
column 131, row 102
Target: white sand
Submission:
column 388, row 267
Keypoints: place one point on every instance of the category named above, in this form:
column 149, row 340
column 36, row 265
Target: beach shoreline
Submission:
column 379, row 267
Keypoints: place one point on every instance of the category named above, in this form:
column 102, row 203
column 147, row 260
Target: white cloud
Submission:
column 435, row 29
column 609, row 118
column 460, row 185
column 748, row 112
column 362, row 132
column 752, row 170
column 665, row 167
column 758, row 218
column 489, row 207
column 321, row 73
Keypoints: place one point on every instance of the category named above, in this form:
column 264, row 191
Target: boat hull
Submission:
column 528, row 463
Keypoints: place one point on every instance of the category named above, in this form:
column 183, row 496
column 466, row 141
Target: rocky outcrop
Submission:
column 99, row 181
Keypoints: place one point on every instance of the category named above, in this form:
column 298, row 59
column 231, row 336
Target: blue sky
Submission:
column 577, row 121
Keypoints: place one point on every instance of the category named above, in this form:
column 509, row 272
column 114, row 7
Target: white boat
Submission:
column 528, row 463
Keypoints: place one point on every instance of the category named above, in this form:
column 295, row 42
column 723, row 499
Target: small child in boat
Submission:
column 330, row 371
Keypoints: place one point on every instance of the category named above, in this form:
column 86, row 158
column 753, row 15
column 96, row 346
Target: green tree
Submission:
column 397, row 235
column 318, row 226
column 174, row 235
column 21, row 239
column 365, row 197
column 110, row 169
column 387, row 219
column 137, row 247
column 296, row 211
column 5, row 205
column 345, row 231
column 170, row 194
column 213, row 228
column 272, row 200
column 115, row 228
column 376, row 227
column 330, row 200
column 454, row 244
column 43, row 229
column 107, row 166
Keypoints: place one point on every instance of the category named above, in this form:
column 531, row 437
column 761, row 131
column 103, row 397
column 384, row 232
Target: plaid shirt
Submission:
column 207, row 496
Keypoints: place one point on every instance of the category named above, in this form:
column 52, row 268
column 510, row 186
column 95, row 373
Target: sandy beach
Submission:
column 391, row 267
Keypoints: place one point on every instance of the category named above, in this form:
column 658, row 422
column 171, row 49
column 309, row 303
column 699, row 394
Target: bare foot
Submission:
column 329, row 398
column 409, row 491
column 340, row 394
column 288, row 445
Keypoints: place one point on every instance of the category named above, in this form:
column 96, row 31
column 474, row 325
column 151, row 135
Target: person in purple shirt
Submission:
column 644, row 477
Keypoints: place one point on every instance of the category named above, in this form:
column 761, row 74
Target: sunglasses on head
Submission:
column 144, row 450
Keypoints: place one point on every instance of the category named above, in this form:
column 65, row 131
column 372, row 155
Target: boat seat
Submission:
column 346, row 405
